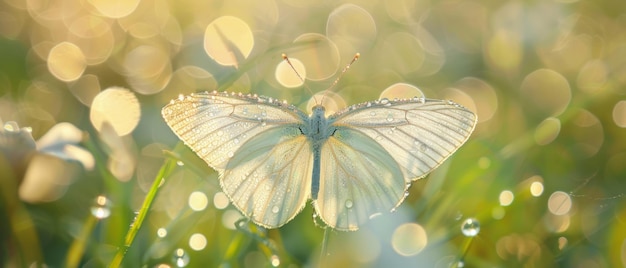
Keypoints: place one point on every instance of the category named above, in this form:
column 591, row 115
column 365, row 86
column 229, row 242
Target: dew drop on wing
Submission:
column 275, row 209
column 389, row 117
column 349, row 203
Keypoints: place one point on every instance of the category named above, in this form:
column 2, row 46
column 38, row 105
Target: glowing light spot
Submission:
column 506, row 198
column 559, row 203
column 197, row 242
column 198, row 201
column 409, row 239
column 220, row 200
column 228, row 40
column 101, row 208
column 162, row 232
column 66, row 62
column 287, row 77
column 536, row 188
column 180, row 258
column 117, row 107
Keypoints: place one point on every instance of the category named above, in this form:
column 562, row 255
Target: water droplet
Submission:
column 349, row 203
column 470, row 227
column 101, row 208
column 181, row 97
column 180, row 258
column 389, row 117
column 220, row 133
column 275, row 209
column 275, row 261
column 384, row 101
column 423, row 147
column 161, row 232
column 230, row 154
column 180, row 163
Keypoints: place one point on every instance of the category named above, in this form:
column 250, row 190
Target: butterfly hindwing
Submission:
column 269, row 178
column 358, row 180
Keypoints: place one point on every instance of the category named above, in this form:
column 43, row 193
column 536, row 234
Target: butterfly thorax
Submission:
column 318, row 128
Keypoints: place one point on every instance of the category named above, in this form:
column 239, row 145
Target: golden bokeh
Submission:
column 66, row 62
column 228, row 40
column 116, row 107
column 86, row 80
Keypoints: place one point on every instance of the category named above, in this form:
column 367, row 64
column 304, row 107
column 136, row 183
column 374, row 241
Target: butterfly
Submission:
column 355, row 164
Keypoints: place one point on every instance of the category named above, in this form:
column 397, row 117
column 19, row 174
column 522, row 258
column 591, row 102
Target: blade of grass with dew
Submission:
column 165, row 171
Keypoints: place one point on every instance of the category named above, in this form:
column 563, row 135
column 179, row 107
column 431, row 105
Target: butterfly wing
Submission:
column 254, row 144
column 379, row 148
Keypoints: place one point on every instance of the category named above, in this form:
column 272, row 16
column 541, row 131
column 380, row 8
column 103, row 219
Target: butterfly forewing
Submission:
column 418, row 133
column 215, row 125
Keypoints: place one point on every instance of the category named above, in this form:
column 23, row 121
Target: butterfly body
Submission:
column 353, row 164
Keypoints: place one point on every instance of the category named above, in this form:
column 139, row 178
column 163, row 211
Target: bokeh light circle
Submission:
column 409, row 239
column 66, row 61
column 351, row 28
column 118, row 107
column 228, row 40
column 559, row 203
column 401, row 91
column 115, row 8
column 287, row 77
column 547, row 91
column 318, row 53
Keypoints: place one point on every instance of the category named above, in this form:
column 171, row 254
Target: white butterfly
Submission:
column 355, row 164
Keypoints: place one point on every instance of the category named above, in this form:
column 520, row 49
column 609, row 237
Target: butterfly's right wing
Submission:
column 255, row 145
column 378, row 149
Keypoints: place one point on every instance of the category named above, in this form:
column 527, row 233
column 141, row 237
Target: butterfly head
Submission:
column 318, row 110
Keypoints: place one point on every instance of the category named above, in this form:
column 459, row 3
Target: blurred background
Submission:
column 540, row 183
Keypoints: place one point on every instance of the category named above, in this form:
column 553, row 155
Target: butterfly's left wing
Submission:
column 378, row 149
column 256, row 146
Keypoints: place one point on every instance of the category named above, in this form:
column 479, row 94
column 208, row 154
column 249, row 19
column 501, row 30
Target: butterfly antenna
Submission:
column 356, row 57
column 299, row 76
